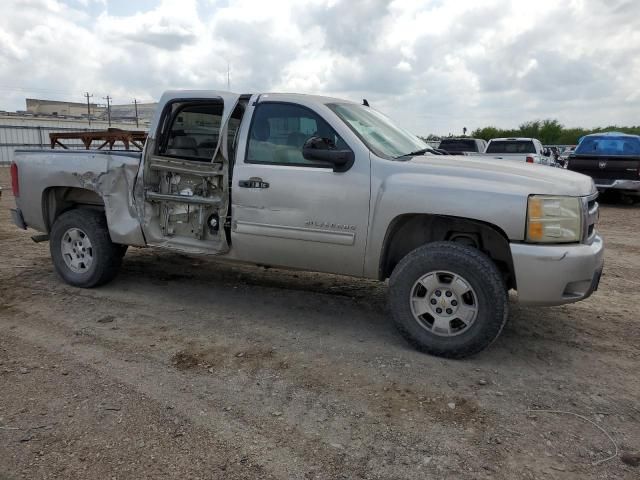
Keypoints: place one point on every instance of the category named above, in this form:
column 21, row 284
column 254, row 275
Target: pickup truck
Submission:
column 322, row 184
column 523, row 150
column 459, row 146
column 612, row 159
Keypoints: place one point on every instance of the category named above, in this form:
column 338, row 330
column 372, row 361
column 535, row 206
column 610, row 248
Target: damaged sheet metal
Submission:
column 182, row 203
column 101, row 177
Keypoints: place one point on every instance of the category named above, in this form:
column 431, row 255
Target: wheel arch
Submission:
column 409, row 231
column 59, row 199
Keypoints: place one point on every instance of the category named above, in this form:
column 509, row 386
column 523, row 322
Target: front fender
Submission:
column 484, row 201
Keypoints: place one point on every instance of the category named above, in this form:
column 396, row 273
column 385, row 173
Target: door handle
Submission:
column 253, row 182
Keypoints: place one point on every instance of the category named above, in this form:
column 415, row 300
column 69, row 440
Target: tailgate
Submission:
column 607, row 168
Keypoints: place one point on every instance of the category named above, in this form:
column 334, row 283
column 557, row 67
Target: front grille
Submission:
column 590, row 217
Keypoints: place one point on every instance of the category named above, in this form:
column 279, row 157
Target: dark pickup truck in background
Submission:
column 458, row 146
column 612, row 159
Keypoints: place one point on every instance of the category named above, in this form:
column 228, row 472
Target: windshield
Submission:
column 458, row 145
column 377, row 131
column 606, row 145
column 511, row 146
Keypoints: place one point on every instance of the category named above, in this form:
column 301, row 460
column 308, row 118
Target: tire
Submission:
column 425, row 272
column 84, row 232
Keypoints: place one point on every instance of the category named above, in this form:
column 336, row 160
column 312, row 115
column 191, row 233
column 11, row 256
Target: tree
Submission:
column 549, row 131
column 486, row 133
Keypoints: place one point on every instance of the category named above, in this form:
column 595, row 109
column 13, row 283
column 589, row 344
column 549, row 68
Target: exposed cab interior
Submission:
column 187, row 174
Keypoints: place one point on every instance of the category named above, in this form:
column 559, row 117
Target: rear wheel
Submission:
column 448, row 299
column 81, row 249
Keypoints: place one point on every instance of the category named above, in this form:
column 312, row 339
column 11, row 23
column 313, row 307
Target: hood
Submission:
column 528, row 177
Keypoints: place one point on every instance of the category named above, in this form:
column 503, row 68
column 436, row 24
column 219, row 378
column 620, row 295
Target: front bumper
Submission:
column 630, row 185
column 557, row 274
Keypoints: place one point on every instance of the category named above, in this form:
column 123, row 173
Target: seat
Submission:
column 260, row 149
column 206, row 149
column 297, row 139
column 183, row 146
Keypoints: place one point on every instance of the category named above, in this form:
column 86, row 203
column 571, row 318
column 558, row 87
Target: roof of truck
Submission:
column 512, row 139
column 271, row 95
column 300, row 96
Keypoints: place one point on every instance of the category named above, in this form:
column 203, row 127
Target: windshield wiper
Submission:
column 413, row 154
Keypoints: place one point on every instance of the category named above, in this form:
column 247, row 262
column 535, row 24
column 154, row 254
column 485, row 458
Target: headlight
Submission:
column 554, row 219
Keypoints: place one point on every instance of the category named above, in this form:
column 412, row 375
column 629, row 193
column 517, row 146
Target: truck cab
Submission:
column 261, row 191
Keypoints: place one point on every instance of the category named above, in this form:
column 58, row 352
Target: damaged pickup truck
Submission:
column 326, row 185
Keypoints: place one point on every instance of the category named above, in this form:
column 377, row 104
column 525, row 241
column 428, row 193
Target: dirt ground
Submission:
column 192, row 369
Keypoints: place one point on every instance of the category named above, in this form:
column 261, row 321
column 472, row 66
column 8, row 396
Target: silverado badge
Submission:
column 330, row 225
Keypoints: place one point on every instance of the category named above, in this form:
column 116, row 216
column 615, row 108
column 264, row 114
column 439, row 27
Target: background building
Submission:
column 30, row 128
column 126, row 112
column 56, row 108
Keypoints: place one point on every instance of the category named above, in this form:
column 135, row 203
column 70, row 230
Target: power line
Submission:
column 88, row 107
column 135, row 105
column 108, row 99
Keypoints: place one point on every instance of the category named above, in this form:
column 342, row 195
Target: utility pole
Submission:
column 135, row 105
column 108, row 99
column 88, row 107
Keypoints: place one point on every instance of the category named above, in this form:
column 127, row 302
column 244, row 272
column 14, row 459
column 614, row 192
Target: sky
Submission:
column 434, row 66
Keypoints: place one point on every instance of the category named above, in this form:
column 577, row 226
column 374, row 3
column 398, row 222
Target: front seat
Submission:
column 297, row 139
column 260, row 148
column 206, row 149
column 183, row 146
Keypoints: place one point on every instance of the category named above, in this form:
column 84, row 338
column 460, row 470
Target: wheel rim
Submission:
column 77, row 250
column 444, row 303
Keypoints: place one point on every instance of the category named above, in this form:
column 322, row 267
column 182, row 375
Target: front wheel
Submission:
column 448, row 299
column 81, row 248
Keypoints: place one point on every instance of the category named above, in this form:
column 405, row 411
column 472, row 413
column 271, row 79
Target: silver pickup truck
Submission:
column 525, row 150
column 327, row 185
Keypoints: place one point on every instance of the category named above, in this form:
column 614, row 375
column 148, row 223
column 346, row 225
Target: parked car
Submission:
column 529, row 150
column 460, row 146
column 322, row 184
column 523, row 150
column 612, row 159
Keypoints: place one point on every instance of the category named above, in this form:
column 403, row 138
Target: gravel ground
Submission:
column 189, row 368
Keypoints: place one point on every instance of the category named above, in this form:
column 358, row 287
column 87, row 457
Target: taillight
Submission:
column 529, row 159
column 15, row 186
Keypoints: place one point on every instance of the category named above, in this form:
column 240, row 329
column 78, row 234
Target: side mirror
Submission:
column 324, row 150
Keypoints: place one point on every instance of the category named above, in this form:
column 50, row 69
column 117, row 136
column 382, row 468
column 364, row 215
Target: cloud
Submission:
column 434, row 65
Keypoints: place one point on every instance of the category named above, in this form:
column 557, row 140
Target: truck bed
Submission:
column 49, row 178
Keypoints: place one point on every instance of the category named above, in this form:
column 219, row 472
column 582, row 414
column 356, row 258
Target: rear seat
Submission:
column 206, row 150
column 183, row 146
